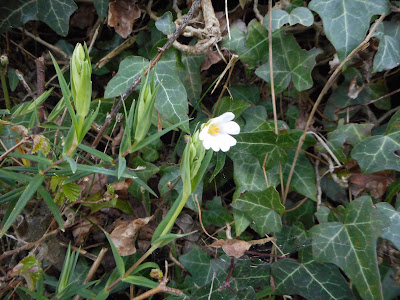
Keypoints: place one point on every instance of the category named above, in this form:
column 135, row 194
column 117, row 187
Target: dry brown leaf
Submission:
column 212, row 58
column 81, row 231
column 122, row 15
column 124, row 234
column 121, row 188
column 99, row 183
column 232, row 247
column 375, row 183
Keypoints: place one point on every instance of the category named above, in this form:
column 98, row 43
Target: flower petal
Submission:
column 227, row 141
column 204, row 133
column 226, row 117
column 230, row 128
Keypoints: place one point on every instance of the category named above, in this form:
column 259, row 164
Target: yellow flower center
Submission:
column 213, row 129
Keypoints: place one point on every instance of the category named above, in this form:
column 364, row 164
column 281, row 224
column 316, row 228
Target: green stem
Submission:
column 5, row 90
column 175, row 215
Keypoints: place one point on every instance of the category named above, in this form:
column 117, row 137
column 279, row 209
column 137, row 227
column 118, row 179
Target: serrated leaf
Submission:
column 310, row 280
column 71, row 190
column 236, row 106
column 351, row 246
column 290, row 62
column 263, row 208
column 165, row 23
column 42, row 143
column 388, row 55
column 346, row 21
column 378, row 153
column 56, row 14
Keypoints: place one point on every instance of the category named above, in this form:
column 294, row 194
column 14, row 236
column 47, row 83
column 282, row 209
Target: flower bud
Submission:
column 4, row 60
column 81, row 84
column 144, row 109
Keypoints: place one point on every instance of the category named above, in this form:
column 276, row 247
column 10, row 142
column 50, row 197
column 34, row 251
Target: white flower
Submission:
column 216, row 132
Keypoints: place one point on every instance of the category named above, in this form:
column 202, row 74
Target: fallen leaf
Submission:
column 375, row 183
column 82, row 230
column 96, row 183
column 232, row 247
column 122, row 15
column 124, row 234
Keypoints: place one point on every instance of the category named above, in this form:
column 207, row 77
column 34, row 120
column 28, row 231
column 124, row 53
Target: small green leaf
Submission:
column 12, row 78
column 388, row 55
column 72, row 163
column 121, row 166
column 165, row 23
column 118, row 259
column 96, row 153
column 31, row 189
column 168, row 238
column 101, row 7
column 140, row 281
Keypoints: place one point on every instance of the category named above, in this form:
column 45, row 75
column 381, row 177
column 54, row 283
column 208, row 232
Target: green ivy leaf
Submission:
column 197, row 262
column 236, row 106
column 14, row 13
column 215, row 214
column 165, row 23
column 346, row 21
column 310, row 280
column 101, row 7
column 56, row 14
column 299, row 15
column 391, row 231
column 249, row 93
column 351, row 246
column 191, row 77
column 350, row 133
column 378, row 153
column 171, row 101
column 291, row 63
column 388, row 55
column 263, row 208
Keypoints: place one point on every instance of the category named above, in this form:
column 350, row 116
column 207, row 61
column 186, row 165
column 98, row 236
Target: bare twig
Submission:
column 126, row 44
column 21, row 142
column 25, row 84
column 325, row 89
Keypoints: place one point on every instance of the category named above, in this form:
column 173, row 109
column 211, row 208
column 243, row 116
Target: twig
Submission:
column 387, row 114
column 257, row 12
column 126, row 44
column 352, row 107
column 297, row 206
column 23, row 141
column 40, row 76
column 29, row 245
column 93, row 269
column 325, row 89
column 227, row 19
column 44, row 43
column 25, row 84
column 151, row 66
column 201, row 222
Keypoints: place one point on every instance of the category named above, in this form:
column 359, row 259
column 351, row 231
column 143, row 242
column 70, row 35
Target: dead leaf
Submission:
column 375, row 183
column 122, row 15
column 96, row 183
column 124, row 234
column 212, row 58
column 82, row 230
column 232, row 247
column 121, row 188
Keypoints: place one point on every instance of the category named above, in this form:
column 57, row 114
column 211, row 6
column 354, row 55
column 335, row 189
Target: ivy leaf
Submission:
column 351, row 246
column 14, row 13
column 129, row 69
column 249, row 93
column 197, row 262
column 101, row 7
column 171, row 101
column 350, row 133
column 215, row 213
column 191, row 77
column 263, row 208
column 346, row 21
column 291, row 63
column 56, row 14
column 301, row 15
column 378, row 153
column 165, row 24
column 236, row 106
column 310, row 280
column 391, row 231
column 388, row 55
